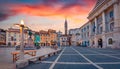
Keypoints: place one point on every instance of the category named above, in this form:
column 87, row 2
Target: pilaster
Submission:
column 95, row 26
column 104, row 29
column 116, row 26
column 95, row 37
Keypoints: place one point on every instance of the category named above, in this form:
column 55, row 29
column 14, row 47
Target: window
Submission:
column 101, row 30
column 84, row 35
column 110, row 41
column 87, row 27
column 84, row 29
column 87, row 34
column 14, row 34
column 77, row 33
column 99, row 20
column 12, row 38
column 111, row 26
column 93, row 27
column 111, row 14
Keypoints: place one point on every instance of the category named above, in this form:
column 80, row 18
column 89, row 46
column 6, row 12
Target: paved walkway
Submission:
column 6, row 57
column 81, row 58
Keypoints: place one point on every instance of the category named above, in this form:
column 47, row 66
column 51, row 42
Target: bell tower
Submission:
column 66, row 26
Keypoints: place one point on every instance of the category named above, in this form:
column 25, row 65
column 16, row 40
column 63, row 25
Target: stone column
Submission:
column 104, row 29
column 103, row 22
column 90, row 34
column 116, row 9
column 22, row 43
column 95, row 26
column 95, row 37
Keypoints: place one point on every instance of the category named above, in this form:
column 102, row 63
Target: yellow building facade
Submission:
column 47, row 38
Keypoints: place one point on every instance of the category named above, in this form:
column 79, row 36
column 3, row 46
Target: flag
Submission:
column 94, row 28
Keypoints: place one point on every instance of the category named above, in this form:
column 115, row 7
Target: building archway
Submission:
column 100, row 43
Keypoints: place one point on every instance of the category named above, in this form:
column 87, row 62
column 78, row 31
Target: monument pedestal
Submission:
column 30, row 44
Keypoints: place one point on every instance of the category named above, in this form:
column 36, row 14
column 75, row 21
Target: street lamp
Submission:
column 22, row 26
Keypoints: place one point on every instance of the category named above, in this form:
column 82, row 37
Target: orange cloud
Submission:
column 43, row 10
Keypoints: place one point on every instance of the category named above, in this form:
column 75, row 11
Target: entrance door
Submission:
column 100, row 43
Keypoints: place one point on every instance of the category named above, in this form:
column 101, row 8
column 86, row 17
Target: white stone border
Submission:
column 80, row 62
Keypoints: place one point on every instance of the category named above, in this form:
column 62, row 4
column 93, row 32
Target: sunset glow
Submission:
column 45, row 14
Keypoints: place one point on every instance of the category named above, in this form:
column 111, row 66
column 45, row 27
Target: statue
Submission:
column 30, row 33
column 30, row 42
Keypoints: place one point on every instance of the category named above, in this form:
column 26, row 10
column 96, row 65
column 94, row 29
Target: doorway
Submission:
column 100, row 43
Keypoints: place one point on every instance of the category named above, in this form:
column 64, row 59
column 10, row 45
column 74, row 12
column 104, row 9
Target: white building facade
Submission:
column 75, row 36
column 85, row 35
column 13, row 37
column 64, row 40
column 104, row 22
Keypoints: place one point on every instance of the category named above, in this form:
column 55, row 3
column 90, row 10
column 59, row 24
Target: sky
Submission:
column 45, row 14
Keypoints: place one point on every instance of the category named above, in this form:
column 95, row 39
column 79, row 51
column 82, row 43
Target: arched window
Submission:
column 110, row 41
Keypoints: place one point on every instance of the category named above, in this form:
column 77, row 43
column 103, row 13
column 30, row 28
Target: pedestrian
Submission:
column 101, row 44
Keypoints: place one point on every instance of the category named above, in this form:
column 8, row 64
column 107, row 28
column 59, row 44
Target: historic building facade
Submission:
column 103, row 27
column 47, row 38
column 85, row 35
column 64, row 41
column 44, row 38
column 105, row 24
column 75, row 36
column 2, row 37
column 13, row 37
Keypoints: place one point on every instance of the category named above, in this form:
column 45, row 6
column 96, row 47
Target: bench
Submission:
column 15, row 54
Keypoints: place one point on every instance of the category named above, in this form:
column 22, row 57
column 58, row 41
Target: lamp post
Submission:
column 22, row 26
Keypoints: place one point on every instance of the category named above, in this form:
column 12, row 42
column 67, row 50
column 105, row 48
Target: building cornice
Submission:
column 97, row 8
column 84, row 24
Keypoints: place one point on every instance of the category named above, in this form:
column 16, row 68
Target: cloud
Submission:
column 45, row 7
column 3, row 16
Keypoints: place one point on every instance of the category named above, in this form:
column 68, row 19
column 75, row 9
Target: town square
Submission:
column 60, row 34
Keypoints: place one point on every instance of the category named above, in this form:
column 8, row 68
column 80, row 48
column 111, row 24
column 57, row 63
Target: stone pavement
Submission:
column 6, row 57
column 81, row 58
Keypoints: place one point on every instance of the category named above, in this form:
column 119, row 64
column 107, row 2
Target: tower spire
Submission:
column 66, row 27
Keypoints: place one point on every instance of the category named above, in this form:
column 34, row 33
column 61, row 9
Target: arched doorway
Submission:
column 100, row 43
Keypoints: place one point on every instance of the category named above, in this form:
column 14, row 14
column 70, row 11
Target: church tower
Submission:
column 66, row 27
